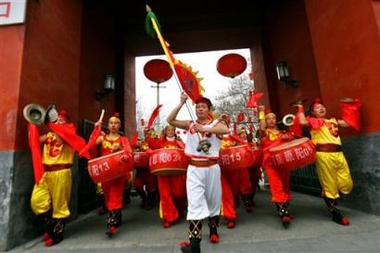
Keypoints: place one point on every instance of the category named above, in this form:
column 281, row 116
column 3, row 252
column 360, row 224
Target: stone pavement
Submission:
column 260, row 231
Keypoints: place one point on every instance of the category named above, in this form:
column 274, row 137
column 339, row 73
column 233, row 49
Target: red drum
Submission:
column 236, row 157
column 293, row 155
column 140, row 160
column 168, row 162
column 109, row 167
column 257, row 157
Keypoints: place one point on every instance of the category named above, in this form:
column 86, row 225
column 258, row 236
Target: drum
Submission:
column 257, row 157
column 140, row 160
column 168, row 161
column 109, row 167
column 236, row 157
column 293, row 155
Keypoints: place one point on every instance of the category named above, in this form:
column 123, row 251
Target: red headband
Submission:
column 63, row 114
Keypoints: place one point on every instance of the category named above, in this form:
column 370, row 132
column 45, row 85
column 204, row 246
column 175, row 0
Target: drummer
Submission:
column 279, row 180
column 235, row 182
column 333, row 171
column 171, row 188
column 145, row 183
column 248, row 189
column 230, row 180
column 113, row 189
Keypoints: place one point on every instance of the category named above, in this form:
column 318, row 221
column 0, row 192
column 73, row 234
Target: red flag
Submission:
column 189, row 81
column 240, row 117
column 351, row 114
column 254, row 97
column 91, row 142
column 153, row 116
column 34, row 144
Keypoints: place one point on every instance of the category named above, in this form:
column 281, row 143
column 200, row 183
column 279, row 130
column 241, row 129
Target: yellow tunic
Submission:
column 333, row 171
column 54, row 189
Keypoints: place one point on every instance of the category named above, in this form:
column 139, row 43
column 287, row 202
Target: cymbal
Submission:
column 347, row 100
column 298, row 102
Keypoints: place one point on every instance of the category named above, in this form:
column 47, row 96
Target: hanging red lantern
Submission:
column 158, row 71
column 231, row 65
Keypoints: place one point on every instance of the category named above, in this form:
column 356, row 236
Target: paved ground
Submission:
column 261, row 231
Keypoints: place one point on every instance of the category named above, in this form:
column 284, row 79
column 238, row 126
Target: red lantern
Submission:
column 158, row 71
column 231, row 65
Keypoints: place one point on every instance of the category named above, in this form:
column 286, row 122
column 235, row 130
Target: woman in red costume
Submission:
column 278, row 180
column 333, row 171
column 113, row 189
column 171, row 188
column 235, row 182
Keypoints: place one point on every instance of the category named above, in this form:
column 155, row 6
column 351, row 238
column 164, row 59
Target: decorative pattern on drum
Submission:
column 293, row 155
column 236, row 157
column 168, row 162
column 140, row 160
column 109, row 167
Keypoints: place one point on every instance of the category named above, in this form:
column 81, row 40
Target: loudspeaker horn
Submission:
column 34, row 114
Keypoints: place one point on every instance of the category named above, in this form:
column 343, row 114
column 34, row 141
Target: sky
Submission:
column 204, row 63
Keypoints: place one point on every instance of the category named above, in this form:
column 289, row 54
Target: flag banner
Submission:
column 254, row 97
column 187, row 78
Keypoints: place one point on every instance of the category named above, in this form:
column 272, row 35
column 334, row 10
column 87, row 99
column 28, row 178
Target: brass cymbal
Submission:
column 347, row 100
column 298, row 102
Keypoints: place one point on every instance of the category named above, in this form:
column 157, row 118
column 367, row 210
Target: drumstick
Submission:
column 101, row 116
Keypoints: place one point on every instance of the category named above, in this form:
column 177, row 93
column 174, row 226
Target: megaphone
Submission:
column 34, row 114
column 288, row 120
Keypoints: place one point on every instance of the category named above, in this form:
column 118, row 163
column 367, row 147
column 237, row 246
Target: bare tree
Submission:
column 233, row 102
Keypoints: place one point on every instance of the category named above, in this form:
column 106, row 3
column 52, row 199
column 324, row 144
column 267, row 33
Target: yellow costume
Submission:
column 333, row 171
column 54, row 189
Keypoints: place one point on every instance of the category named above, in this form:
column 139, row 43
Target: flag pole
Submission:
column 170, row 60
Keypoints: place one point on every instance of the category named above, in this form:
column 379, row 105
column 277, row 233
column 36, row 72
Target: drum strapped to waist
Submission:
column 293, row 155
column 168, row 162
column 328, row 147
column 109, row 167
column 236, row 157
column 140, row 160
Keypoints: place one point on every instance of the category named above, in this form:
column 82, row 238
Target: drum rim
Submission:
column 244, row 146
column 166, row 149
column 106, row 156
column 290, row 144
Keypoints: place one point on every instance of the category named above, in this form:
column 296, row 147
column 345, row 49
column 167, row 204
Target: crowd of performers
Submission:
column 205, row 190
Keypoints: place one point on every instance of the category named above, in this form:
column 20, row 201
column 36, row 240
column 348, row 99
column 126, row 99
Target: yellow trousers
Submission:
column 334, row 174
column 53, row 192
